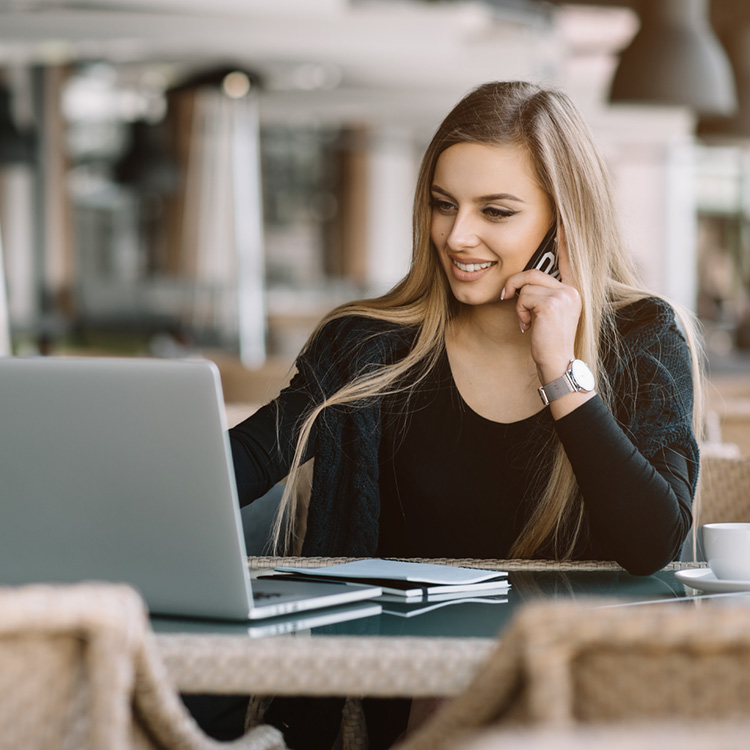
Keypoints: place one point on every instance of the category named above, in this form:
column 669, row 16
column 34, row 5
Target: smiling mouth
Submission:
column 472, row 267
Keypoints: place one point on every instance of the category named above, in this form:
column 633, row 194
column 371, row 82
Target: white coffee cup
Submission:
column 727, row 548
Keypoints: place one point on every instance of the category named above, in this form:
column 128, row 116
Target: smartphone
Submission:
column 545, row 257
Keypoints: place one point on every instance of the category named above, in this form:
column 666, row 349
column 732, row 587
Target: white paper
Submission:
column 399, row 571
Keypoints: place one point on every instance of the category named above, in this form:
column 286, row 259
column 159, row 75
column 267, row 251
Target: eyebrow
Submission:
column 482, row 198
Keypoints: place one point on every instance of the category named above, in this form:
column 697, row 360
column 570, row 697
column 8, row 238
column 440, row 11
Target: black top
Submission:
column 636, row 465
column 454, row 484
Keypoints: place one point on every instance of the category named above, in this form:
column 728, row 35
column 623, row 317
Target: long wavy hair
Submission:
column 572, row 173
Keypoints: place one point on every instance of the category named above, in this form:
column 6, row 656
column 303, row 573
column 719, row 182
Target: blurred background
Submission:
column 180, row 177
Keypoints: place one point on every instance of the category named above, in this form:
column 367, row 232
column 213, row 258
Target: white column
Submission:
column 248, row 232
column 650, row 151
column 17, row 250
column 392, row 175
column 655, row 189
column 224, row 242
column 680, row 272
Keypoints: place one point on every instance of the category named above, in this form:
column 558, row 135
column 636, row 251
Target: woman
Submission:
column 423, row 409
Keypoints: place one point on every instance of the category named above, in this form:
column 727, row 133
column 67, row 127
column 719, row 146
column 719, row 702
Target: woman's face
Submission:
column 489, row 214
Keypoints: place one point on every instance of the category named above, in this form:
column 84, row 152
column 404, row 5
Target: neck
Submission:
column 495, row 324
column 486, row 348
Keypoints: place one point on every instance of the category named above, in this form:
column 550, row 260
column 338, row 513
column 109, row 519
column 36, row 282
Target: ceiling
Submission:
column 389, row 61
column 376, row 60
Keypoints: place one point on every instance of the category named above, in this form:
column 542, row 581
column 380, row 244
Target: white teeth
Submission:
column 471, row 267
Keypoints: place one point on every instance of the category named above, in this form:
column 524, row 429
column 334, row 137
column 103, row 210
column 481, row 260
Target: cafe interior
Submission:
column 182, row 180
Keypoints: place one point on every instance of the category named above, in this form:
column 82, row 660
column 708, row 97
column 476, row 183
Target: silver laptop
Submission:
column 121, row 470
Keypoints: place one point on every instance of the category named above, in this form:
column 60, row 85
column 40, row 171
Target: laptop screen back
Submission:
column 120, row 470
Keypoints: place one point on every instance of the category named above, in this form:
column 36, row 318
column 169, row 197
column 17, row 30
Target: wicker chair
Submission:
column 652, row 736
column 79, row 671
column 725, row 490
column 565, row 664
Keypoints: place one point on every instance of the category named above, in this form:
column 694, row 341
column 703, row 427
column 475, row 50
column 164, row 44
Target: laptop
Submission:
column 120, row 469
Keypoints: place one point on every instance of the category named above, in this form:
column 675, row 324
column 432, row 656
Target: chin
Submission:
column 476, row 299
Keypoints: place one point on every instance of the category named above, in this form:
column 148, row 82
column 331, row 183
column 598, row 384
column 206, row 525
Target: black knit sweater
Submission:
column 650, row 377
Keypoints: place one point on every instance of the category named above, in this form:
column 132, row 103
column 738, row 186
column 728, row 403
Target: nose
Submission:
column 463, row 234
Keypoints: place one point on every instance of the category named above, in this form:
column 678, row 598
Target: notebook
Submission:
column 119, row 469
column 406, row 579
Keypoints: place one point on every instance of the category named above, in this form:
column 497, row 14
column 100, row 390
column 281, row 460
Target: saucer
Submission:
column 703, row 579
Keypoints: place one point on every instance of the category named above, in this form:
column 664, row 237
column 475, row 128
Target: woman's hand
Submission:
column 548, row 311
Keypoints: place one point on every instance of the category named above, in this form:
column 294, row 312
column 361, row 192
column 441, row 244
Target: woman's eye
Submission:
column 498, row 213
column 442, row 206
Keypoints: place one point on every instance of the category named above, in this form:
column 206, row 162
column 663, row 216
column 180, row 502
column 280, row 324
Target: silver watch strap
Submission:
column 557, row 388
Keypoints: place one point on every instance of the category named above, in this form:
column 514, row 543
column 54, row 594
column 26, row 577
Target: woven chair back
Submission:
column 67, row 666
column 724, row 490
column 79, row 670
column 566, row 664
column 711, row 735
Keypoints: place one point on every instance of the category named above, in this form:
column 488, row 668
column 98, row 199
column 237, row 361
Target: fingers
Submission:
column 531, row 298
column 527, row 288
column 549, row 317
column 550, row 303
column 517, row 281
column 514, row 284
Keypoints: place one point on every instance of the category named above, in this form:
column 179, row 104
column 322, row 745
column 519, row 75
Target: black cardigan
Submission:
column 650, row 376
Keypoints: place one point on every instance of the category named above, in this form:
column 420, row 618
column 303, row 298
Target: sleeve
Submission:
column 263, row 445
column 651, row 383
column 637, row 465
column 638, row 509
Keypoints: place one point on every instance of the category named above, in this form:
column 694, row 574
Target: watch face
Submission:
column 582, row 376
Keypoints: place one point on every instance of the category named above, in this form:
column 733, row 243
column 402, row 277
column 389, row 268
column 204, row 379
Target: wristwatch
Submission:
column 577, row 377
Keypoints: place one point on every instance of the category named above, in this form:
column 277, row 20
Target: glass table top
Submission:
column 471, row 617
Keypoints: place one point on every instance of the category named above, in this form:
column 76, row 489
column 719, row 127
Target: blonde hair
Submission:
column 573, row 175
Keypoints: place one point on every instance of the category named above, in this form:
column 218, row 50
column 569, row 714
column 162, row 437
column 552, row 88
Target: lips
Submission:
column 471, row 271
column 472, row 267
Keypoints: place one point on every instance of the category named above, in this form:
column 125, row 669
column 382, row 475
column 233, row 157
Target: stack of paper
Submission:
column 409, row 580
